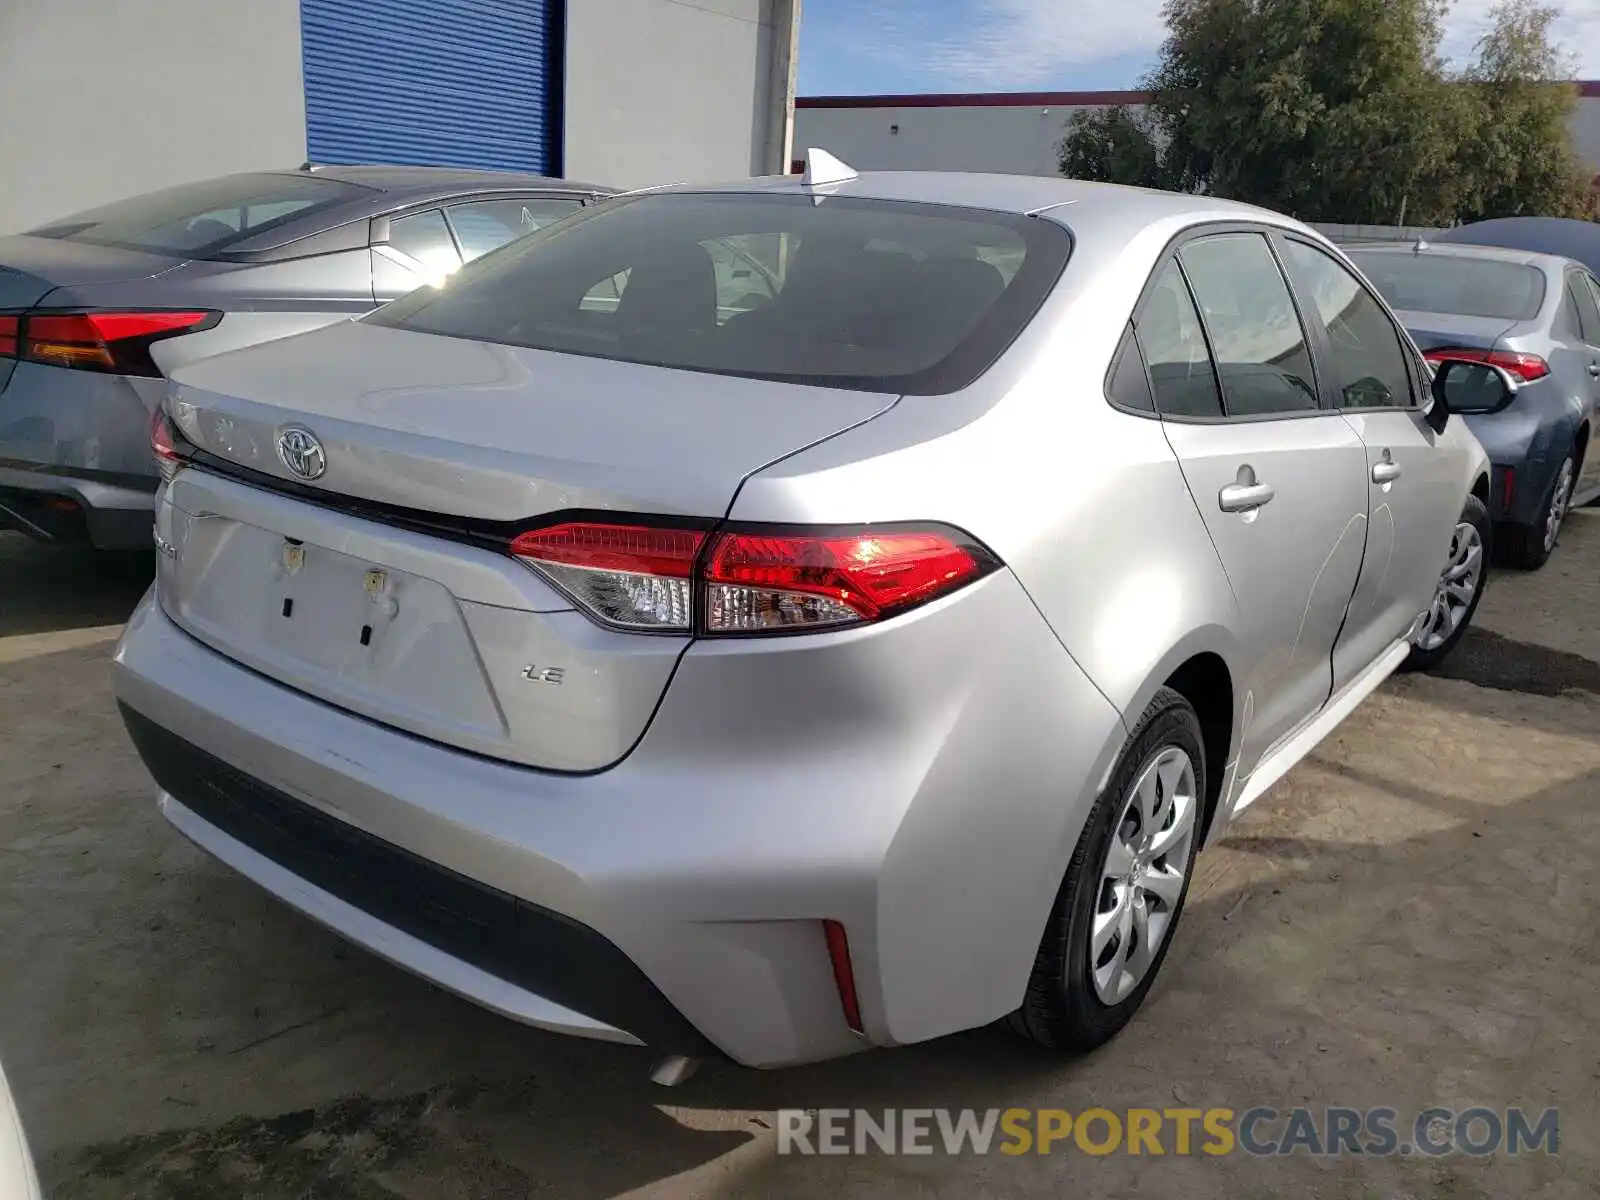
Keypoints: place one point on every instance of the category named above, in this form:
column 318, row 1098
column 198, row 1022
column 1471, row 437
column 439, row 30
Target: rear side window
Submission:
column 425, row 238
column 197, row 219
column 1130, row 386
column 1256, row 339
column 1365, row 354
column 1468, row 287
column 486, row 225
column 876, row 295
column 1175, row 350
column 1588, row 314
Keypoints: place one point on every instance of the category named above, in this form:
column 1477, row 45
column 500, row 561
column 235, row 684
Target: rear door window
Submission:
column 869, row 294
column 485, row 225
column 1256, row 340
column 198, row 219
column 1588, row 313
column 1366, row 354
column 425, row 238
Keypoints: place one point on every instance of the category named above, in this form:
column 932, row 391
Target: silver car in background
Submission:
column 780, row 662
column 1536, row 315
column 97, row 308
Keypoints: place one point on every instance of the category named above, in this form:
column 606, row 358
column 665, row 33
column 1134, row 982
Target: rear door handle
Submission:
column 1594, row 369
column 1385, row 471
column 1245, row 497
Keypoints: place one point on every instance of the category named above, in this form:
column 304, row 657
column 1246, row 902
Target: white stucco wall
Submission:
column 108, row 98
column 659, row 91
column 1015, row 139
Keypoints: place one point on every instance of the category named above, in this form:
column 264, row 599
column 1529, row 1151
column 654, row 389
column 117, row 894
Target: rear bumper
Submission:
column 81, row 438
column 931, row 808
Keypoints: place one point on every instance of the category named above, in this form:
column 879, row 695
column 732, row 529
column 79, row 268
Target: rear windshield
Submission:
column 196, row 219
column 876, row 295
column 1468, row 287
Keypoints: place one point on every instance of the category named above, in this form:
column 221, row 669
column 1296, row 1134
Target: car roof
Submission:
column 427, row 180
column 1019, row 194
column 1528, row 258
column 1577, row 240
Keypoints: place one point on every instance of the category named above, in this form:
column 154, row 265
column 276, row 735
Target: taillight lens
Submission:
column 750, row 580
column 171, row 448
column 115, row 342
column 632, row 576
column 1526, row 367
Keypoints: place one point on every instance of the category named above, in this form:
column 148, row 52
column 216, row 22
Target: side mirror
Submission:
column 1464, row 386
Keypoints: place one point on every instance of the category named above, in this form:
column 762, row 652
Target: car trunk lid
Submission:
column 1432, row 331
column 338, row 587
column 31, row 268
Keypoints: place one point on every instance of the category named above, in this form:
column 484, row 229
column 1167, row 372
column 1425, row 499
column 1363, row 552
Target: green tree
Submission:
column 1113, row 144
column 1522, row 154
column 1343, row 110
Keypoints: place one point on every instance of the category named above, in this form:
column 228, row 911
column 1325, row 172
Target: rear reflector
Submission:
column 1525, row 367
column 749, row 580
column 1508, row 489
column 117, row 342
column 844, row 975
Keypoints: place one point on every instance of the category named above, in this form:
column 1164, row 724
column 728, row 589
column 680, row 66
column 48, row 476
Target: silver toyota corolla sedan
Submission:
column 801, row 615
column 97, row 309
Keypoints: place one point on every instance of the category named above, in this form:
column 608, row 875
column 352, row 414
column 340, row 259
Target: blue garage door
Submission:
column 459, row 83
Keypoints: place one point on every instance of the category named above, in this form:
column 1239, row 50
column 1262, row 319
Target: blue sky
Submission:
column 850, row 47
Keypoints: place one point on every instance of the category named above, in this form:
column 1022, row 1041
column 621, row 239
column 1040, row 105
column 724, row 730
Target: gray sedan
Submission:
column 96, row 309
column 1536, row 315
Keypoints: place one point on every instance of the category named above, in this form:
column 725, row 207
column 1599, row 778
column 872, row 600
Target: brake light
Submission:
column 171, row 448
column 117, row 342
column 8, row 336
column 1525, row 367
column 749, row 580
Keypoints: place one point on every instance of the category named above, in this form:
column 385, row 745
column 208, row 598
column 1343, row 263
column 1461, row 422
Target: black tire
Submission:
column 1522, row 546
column 1475, row 514
column 1061, row 1009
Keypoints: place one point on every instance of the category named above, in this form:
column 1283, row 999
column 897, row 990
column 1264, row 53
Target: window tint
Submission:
column 1593, row 288
column 1588, row 314
column 763, row 285
column 1130, row 386
column 425, row 237
column 1470, row 287
column 486, row 225
column 1365, row 353
column 201, row 218
column 1175, row 350
column 1256, row 339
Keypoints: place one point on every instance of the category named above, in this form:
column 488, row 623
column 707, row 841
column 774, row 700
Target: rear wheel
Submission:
column 1461, row 584
column 1124, row 890
column 1529, row 546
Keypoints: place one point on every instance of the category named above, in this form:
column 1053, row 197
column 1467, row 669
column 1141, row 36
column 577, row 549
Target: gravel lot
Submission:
column 1408, row 919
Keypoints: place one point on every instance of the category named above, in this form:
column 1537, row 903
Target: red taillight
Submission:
column 118, row 342
column 8, row 336
column 1526, row 367
column 749, row 580
column 633, row 576
column 167, row 444
column 844, row 975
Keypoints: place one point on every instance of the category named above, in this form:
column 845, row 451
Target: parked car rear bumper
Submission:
column 75, row 463
column 692, row 878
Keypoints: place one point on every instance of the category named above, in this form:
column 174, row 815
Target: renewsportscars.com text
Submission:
column 1259, row 1131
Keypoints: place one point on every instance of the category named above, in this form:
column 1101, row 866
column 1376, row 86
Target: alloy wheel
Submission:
column 1141, row 882
column 1559, row 500
column 1458, row 585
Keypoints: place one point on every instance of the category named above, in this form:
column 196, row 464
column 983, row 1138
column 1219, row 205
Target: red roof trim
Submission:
column 975, row 100
column 1586, row 87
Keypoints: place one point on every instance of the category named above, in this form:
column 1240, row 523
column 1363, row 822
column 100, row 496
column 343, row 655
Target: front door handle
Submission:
column 1385, row 471
column 1245, row 497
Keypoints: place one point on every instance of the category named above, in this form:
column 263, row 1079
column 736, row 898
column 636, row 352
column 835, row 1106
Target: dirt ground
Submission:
column 1409, row 919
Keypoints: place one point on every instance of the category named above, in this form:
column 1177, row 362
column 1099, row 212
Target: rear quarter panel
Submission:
column 1084, row 503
